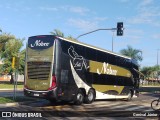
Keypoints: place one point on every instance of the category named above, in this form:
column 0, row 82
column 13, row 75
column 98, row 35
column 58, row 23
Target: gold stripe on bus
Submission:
column 105, row 88
column 106, row 68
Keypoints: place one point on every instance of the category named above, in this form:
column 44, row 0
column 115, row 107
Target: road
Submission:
column 100, row 108
column 7, row 93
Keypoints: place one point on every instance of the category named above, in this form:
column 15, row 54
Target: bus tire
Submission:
column 79, row 97
column 90, row 97
column 130, row 94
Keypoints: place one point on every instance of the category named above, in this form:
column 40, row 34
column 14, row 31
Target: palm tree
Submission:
column 61, row 34
column 147, row 71
column 57, row 32
column 71, row 38
column 133, row 53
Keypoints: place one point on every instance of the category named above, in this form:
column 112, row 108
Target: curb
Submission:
column 17, row 103
column 9, row 104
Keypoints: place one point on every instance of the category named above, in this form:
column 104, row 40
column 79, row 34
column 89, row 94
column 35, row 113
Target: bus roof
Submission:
column 86, row 45
column 91, row 46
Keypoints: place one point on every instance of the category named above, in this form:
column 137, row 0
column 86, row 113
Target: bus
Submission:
column 59, row 69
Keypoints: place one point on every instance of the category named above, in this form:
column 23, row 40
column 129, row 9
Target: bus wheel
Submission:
column 79, row 97
column 129, row 96
column 90, row 97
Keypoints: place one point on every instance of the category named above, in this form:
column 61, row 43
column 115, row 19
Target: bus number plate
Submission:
column 36, row 94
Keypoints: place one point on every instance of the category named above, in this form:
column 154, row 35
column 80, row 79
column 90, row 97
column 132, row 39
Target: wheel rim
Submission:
column 129, row 96
column 90, row 96
column 80, row 97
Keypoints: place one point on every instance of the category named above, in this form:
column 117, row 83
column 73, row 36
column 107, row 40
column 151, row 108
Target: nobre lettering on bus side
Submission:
column 39, row 43
column 106, row 69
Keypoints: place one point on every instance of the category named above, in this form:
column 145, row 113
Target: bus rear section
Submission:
column 40, row 80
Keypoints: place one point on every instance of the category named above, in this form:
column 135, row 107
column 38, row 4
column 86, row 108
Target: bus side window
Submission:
column 64, row 76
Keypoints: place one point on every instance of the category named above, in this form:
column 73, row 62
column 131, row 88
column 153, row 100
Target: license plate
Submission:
column 36, row 94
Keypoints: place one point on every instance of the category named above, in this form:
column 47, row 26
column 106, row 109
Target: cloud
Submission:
column 145, row 3
column 100, row 18
column 79, row 10
column 84, row 25
column 156, row 36
column 124, row 1
column 49, row 8
column 67, row 8
column 134, row 31
column 132, row 36
column 147, row 13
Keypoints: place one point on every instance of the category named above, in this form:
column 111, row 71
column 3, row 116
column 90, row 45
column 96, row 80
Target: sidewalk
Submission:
column 9, row 104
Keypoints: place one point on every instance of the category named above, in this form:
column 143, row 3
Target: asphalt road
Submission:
column 98, row 109
column 7, row 93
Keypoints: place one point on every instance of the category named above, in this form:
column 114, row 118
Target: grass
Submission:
column 4, row 100
column 8, row 85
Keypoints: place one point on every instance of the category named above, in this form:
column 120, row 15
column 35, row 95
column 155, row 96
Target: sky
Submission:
column 141, row 21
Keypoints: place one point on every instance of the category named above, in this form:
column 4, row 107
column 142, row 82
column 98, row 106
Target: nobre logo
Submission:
column 39, row 43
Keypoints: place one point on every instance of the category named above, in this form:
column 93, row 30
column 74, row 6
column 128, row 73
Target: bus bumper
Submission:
column 41, row 94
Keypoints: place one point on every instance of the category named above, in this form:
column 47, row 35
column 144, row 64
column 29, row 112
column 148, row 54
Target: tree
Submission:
column 11, row 48
column 147, row 71
column 71, row 38
column 4, row 38
column 151, row 72
column 22, row 61
column 57, row 32
column 61, row 34
column 133, row 53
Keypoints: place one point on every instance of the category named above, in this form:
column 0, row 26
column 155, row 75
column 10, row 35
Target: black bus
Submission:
column 58, row 69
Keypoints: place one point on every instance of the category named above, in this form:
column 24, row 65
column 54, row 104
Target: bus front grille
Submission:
column 39, row 70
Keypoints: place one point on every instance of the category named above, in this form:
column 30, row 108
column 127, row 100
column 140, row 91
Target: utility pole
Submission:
column 157, row 56
column 15, row 66
column 157, row 62
column 112, row 39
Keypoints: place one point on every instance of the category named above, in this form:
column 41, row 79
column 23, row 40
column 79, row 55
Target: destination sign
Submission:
column 40, row 42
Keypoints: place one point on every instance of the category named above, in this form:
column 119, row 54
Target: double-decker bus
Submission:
column 58, row 69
